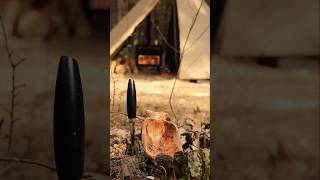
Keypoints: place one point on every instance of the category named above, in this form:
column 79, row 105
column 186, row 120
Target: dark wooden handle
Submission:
column 69, row 121
column 131, row 99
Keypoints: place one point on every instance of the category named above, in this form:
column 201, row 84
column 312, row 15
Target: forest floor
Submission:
column 189, row 100
column 190, row 107
column 266, row 123
column 266, row 120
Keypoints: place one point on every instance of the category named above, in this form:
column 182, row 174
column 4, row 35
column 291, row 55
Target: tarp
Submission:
column 195, row 62
column 120, row 33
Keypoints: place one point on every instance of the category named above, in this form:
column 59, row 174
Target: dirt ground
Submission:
column 189, row 101
column 33, row 133
column 255, row 109
column 266, row 120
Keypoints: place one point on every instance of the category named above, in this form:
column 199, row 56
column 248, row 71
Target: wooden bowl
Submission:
column 160, row 137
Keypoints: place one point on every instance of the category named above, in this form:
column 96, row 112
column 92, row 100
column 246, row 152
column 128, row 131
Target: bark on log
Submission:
column 185, row 165
column 194, row 164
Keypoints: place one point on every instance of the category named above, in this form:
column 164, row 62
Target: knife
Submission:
column 131, row 107
column 68, row 121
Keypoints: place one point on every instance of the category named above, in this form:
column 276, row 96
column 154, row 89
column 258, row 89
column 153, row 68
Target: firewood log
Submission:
column 160, row 150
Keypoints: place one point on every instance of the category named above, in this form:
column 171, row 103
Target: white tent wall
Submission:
column 270, row 28
column 195, row 62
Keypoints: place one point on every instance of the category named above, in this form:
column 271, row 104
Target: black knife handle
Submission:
column 69, row 121
column 131, row 99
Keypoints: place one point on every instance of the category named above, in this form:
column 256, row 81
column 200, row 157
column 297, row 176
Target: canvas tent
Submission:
column 195, row 62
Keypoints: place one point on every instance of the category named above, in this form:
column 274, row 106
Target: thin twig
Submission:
column 19, row 62
column 19, row 86
column 183, row 50
column 181, row 56
column 9, row 52
column 3, row 170
column 5, row 109
column 165, row 40
column 12, row 111
column 114, row 81
column 1, row 123
column 163, row 37
column 27, row 161
column 198, row 38
column 14, row 88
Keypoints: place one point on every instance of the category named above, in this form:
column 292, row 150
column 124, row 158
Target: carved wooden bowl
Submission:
column 160, row 137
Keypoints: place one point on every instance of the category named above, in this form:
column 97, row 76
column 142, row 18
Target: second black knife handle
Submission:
column 69, row 121
column 131, row 99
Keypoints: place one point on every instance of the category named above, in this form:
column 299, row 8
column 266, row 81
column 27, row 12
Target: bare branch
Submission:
column 180, row 59
column 20, row 86
column 15, row 95
column 5, row 36
column 4, row 137
column 114, row 88
column 198, row 38
column 164, row 38
column 5, row 109
column 27, row 161
column 1, row 123
column 16, row 119
column 3, row 170
column 10, row 53
column 19, row 62
column 14, row 87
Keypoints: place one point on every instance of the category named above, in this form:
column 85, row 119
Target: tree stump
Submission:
column 158, row 154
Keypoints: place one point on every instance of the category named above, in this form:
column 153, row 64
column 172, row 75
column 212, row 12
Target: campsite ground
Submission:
column 255, row 108
column 190, row 100
column 266, row 122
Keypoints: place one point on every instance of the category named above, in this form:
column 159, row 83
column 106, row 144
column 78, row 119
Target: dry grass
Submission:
column 153, row 93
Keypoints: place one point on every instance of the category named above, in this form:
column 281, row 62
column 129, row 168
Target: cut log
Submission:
column 158, row 153
column 160, row 137
column 130, row 167
column 185, row 165
column 194, row 164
